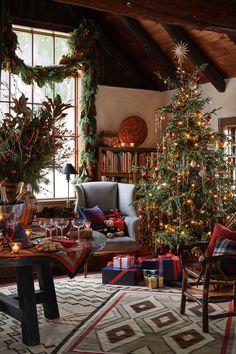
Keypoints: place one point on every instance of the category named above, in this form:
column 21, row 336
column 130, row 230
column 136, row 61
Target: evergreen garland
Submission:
column 83, row 56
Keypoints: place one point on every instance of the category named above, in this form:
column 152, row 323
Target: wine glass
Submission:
column 61, row 224
column 78, row 224
column 42, row 223
column 50, row 227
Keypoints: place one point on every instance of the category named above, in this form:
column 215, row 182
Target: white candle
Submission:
column 15, row 248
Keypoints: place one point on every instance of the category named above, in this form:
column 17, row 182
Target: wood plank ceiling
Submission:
column 139, row 36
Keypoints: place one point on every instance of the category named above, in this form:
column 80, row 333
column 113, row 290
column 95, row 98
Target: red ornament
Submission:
column 205, row 147
column 209, row 179
column 208, row 118
column 229, row 159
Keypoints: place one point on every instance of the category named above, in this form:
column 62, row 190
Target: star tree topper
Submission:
column 180, row 52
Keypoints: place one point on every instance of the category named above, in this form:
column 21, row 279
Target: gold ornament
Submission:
column 198, row 115
column 221, row 144
column 228, row 195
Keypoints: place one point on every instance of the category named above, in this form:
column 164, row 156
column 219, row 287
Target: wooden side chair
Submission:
column 205, row 281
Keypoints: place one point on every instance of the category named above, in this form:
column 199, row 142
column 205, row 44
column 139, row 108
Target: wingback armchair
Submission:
column 112, row 195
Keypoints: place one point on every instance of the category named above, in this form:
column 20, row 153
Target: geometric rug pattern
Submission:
column 138, row 322
column 97, row 318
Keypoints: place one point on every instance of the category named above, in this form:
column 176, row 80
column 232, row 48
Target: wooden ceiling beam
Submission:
column 216, row 15
column 139, row 77
column 166, row 66
column 197, row 56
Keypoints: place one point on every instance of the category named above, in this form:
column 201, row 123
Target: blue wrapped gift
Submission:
column 117, row 276
column 170, row 268
column 148, row 263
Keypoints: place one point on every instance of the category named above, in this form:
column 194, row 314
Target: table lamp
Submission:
column 68, row 170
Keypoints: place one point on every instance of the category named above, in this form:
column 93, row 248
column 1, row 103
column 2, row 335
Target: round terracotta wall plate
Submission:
column 133, row 131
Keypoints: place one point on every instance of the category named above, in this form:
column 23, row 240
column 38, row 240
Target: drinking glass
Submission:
column 61, row 224
column 78, row 224
column 42, row 223
column 50, row 227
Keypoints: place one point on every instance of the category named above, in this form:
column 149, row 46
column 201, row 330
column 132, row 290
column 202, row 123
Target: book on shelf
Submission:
column 123, row 162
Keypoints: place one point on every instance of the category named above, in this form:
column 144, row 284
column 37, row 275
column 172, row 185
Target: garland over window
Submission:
column 83, row 56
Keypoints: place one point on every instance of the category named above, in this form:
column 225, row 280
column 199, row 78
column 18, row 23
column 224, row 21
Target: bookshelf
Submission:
column 115, row 164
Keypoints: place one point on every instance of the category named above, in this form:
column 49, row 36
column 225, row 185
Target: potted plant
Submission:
column 31, row 142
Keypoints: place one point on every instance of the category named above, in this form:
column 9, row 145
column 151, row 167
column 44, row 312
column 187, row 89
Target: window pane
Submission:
column 43, row 50
column 40, row 93
column 66, row 90
column 4, row 108
column 46, row 190
column 61, row 48
column 18, row 87
column 25, row 47
column 4, row 92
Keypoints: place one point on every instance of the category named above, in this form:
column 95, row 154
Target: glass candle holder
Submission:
column 28, row 233
column 15, row 247
column 87, row 224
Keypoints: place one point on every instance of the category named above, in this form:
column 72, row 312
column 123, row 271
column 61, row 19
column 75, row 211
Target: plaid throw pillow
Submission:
column 224, row 246
column 219, row 232
column 94, row 215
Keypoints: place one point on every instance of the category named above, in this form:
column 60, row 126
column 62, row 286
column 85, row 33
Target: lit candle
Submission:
column 28, row 233
column 15, row 247
column 1, row 217
column 132, row 144
column 87, row 224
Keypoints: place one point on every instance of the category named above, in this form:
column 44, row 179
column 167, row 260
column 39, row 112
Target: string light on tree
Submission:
column 193, row 186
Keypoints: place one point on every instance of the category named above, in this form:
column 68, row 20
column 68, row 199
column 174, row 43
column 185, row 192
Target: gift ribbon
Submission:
column 121, row 274
column 119, row 258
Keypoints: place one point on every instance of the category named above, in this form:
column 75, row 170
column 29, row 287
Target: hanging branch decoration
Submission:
column 83, row 56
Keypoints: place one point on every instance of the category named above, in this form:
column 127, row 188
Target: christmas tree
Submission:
column 192, row 185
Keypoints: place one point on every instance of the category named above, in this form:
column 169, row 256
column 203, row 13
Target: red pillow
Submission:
column 219, row 231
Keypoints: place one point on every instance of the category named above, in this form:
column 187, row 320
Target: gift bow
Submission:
column 119, row 258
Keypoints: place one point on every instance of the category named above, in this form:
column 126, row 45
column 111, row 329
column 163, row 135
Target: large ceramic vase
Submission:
column 30, row 204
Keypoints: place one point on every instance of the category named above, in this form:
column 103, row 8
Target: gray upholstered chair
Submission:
column 112, row 195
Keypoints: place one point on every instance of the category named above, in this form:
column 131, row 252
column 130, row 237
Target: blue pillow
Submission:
column 95, row 215
column 225, row 246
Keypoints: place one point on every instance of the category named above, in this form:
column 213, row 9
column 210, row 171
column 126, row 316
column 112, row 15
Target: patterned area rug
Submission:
column 98, row 318
column 138, row 322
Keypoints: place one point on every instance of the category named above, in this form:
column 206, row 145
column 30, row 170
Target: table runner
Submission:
column 69, row 260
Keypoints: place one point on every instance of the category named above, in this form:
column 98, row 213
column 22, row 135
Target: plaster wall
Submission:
column 115, row 104
column 226, row 101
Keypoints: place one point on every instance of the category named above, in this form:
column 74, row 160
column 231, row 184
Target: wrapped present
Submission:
column 170, row 267
column 153, row 281
column 123, row 262
column 148, row 263
column 113, row 276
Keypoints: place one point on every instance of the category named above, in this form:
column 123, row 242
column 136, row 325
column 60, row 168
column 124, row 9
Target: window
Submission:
column 41, row 47
column 228, row 127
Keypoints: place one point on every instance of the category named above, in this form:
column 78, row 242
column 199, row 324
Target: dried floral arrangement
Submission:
column 83, row 56
column 32, row 141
